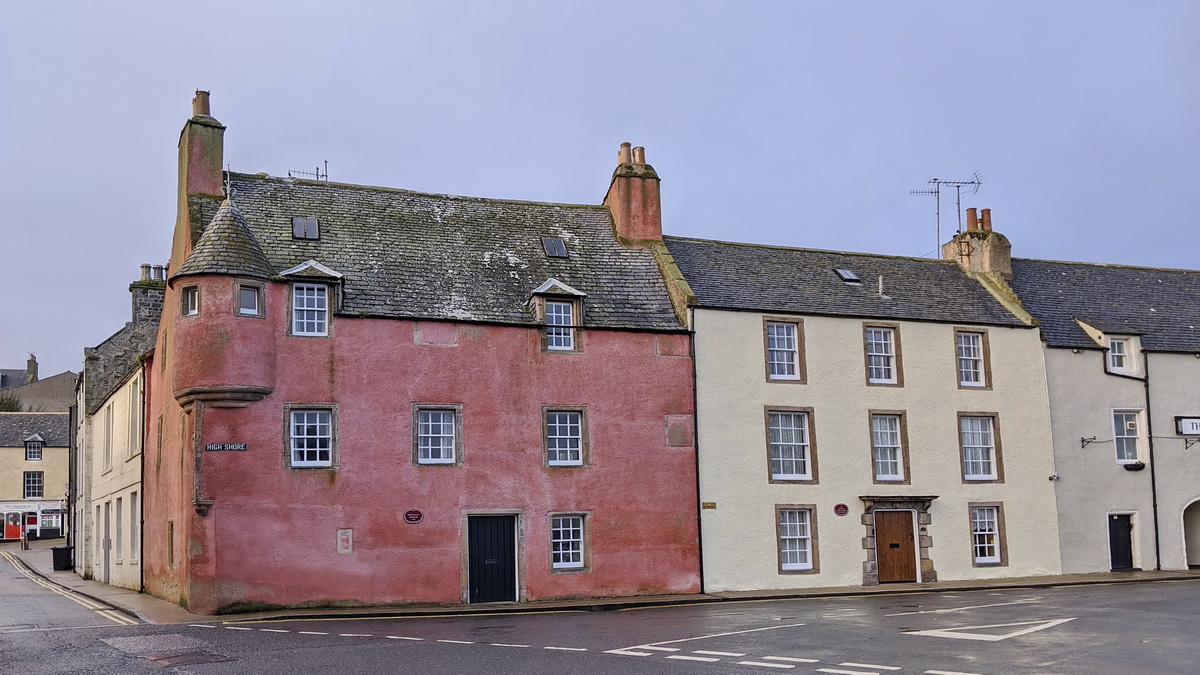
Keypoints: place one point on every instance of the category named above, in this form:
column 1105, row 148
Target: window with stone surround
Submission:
column 889, row 448
column 971, row 349
column 35, row 484
column 790, row 445
column 881, row 346
column 568, row 542
column 310, row 437
column 987, row 534
column 784, row 343
column 436, row 434
column 310, row 310
column 565, row 436
column 980, row 443
column 189, row 297
column 796, row 534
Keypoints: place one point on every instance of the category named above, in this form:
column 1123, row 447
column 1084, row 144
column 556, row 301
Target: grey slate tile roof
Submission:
column 54, row 428
column 107, row 364
column 1161, row 305
column 227, row 247
column 802, row 281
column 414, row 255
column 11, row 378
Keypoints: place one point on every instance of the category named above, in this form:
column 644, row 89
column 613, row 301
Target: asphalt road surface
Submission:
column 1137, row 628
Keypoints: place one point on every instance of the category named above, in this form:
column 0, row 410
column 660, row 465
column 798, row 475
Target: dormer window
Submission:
column 33, row 450
column 1122, row 355
column 559, row 308
column 305, row 227
column 310, row 310
column 560, row 322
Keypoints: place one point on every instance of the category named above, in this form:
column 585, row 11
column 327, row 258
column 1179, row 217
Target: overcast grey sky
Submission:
column 793, row 123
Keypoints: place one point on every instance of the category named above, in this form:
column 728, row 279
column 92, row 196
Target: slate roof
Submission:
column 54, row 428
column 1161, row 305
column 802, row 281
column 11, row 378
column 227, row 247
column 414, row 255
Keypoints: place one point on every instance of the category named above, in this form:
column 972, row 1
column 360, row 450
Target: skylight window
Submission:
column 555, row 247
column 305, row 227
column 847, row 276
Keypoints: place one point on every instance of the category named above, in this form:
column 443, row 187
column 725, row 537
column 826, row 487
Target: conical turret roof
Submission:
column 227, row 247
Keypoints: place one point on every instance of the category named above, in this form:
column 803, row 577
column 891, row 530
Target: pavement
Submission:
column 39, row 559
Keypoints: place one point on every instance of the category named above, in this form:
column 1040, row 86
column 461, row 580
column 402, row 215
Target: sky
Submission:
column 791, row 123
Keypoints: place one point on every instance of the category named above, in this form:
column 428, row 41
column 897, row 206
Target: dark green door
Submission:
column 492, row 558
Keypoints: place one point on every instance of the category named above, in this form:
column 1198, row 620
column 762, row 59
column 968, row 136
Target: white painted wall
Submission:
column 1173, row 392
column 119, row 479
column 740, row 549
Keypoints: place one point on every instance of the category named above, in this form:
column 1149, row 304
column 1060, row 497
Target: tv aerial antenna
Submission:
column 972, row 186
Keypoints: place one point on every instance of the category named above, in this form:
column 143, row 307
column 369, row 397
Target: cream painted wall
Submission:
column 740, row 546
column 13, row 466
column 1173, row 392
column 1092, row 483
column 113, row 481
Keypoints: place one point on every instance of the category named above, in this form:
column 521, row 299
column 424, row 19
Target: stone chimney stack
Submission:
column 201, row 157
column 31, row 369
column 979, row 249
column 147, row 294
column 633, row 198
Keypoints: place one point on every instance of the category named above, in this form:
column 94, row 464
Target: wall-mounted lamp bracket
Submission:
column 1083, row 442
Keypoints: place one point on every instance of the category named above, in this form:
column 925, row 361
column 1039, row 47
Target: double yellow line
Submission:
column 99, row 608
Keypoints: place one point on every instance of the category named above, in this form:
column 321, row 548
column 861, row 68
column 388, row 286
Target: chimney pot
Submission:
column 200, row 104
column 145, row 271
column 158, row 273
column 31, row 369
column 623, row 155
column 972, row 220
column 987, row 219
column 639, row 155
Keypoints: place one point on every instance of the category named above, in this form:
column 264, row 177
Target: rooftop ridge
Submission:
column 1109, row 265
column 382, row 188
column 779, row 247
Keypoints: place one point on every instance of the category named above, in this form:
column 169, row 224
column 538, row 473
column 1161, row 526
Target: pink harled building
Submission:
column 365, row 395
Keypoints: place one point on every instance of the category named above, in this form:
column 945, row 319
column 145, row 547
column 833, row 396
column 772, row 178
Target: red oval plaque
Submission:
column 413, row 517
column 841, row 509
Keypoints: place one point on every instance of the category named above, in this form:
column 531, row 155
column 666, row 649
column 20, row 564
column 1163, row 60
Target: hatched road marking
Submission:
column 963, row 632
column 761, row 664
column 869, row 665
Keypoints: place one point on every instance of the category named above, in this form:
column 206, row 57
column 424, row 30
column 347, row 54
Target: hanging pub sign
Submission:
column 1187, row 426
column 215, row 447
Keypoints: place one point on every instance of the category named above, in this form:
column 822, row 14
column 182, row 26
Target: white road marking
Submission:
column 274, row 630
column 311, row 632
column 960, row 634
column 685, row 657
column 947, row 672
column 765, row 665
column 657, row 649
column 869, row 665
column 846, row 672
column 568, row 649
column 457, row 642
column 792, row 659
column 701, row 651
column 501, row 644
column 626, row 652
column 353, row 635
column 401, row 637
column 237, row 628
column 963, row 609
column 705, row 637
column 200, row 625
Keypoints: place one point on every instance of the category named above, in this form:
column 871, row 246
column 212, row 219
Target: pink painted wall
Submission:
column 270, row 537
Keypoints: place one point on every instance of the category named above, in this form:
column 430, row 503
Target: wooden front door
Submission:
column 492, row 558
column 895, row 548
column 1120, row 540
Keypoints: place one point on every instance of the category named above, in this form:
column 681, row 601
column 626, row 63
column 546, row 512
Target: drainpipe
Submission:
column 1153, row 477
column 696, row 444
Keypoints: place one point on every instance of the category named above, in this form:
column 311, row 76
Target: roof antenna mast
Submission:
column 972, row 184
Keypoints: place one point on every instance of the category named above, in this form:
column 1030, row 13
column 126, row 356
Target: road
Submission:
column 1138, row 628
